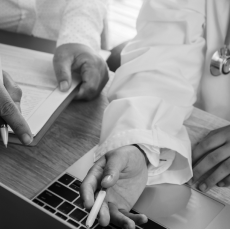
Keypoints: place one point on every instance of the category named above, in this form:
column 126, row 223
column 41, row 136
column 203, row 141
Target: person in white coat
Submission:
column 143, row 140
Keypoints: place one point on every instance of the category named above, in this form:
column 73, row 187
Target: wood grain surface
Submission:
column 29, row 169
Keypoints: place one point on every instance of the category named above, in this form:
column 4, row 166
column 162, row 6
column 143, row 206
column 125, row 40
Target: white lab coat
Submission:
column 156, row 86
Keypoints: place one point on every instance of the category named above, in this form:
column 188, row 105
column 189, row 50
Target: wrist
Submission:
column 143, row 152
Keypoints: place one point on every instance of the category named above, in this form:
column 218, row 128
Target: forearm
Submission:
column 82, row 22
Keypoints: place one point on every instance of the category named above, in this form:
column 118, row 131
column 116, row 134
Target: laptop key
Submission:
column 50, row 198
column 94, row 224
column 79, row 203
column 78, row 214
column 38, row 202
column 75, row 187
column 66, row 208
column 64, row 192
column 73, row 223
column 49, row 209
column 66, row 179
column 77, row 183
column 61, row 216
column 108, row 227
column 150, row 224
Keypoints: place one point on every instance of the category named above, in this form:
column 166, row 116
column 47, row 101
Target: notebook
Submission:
column 42, row 101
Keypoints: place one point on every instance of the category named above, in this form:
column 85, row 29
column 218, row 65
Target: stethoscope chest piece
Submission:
column 220, row 62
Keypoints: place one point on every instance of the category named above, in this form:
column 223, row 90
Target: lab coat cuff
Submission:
column 155, row 137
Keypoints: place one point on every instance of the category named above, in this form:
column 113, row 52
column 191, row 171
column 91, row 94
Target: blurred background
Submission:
column 122, row 21
column 120, row 28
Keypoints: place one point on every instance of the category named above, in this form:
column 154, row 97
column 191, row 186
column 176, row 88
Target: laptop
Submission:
column 59, row 205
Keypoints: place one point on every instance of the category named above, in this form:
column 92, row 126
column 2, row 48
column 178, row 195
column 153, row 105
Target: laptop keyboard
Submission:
column 63, row 199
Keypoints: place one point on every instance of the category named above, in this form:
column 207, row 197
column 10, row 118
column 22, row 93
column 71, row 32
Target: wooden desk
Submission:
column 29, row 169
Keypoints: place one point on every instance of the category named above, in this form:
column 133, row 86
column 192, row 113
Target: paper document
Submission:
column 33, row 71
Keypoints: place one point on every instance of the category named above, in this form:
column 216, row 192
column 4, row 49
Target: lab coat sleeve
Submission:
column 82, row 22
column 154, row 90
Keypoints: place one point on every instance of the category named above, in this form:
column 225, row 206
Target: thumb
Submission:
column 62, row 67
column 114, row 165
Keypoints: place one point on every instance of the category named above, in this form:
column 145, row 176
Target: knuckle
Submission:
column 7, row 108
column 90, row 94
column 58, row 57
column 90, row 59
column 61, row 72
column 214, row 157
column 206, row 143
column 197, row 172
column 211, row 181
column 226, row 165
column 227, row 181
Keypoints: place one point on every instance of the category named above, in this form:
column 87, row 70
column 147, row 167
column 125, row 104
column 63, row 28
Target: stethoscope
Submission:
column 220, row 61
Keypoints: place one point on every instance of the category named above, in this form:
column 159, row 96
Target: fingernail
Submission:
column 203, row 187
column 221, row 184
column 84, row 204
column 64, row 86
column 26, row 139
column 107, row 178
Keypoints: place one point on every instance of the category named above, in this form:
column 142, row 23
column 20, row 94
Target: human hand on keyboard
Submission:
column 211, row 160
column 123, row 172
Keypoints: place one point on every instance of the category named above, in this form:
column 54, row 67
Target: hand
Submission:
column 211, row 159
column 123, row 172
column 10, row 97
column 80, row 62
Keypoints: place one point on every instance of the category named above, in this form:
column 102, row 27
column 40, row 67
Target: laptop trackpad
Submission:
column 177, row 206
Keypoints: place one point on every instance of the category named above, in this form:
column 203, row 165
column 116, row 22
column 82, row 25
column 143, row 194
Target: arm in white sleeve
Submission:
column 82, row 22
column 154, row 90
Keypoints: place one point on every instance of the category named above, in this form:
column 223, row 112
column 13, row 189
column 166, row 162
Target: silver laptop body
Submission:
column 59, row 205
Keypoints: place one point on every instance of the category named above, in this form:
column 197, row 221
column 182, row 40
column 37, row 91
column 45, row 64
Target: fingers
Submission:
column 80, row 62
column 212, row 141
column 119, row 219
column 137, row 218
column 114, row 165
column 62, row 63
column 92, row 182
column 10, row 112
column 225, row 182
column 90, row 87
column 13, row 89
column 93, row 80
column 210, row 161
column 104, row 215
column 218, row 175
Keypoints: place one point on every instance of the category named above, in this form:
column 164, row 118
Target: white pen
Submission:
column 95, row 209
column 3, row 124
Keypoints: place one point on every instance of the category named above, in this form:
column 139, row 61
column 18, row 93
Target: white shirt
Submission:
column 67, row 21
column 154, row 90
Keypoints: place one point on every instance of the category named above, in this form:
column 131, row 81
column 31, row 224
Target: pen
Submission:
column 4, row 131
column 3, row 124
column 95, row 209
